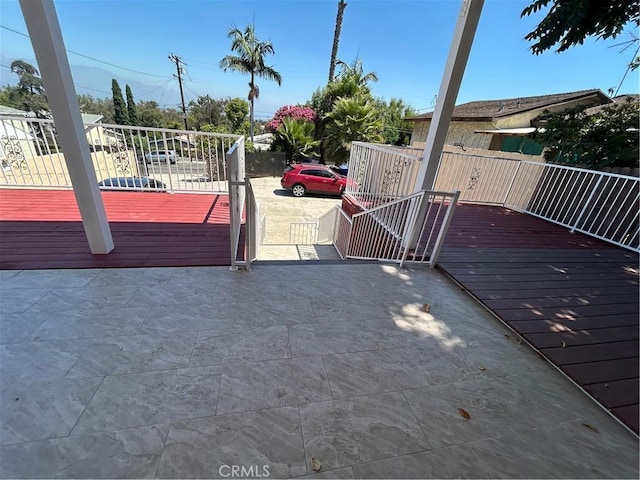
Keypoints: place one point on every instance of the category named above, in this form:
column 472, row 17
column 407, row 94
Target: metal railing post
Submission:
column 586, row 204
column 443, row 230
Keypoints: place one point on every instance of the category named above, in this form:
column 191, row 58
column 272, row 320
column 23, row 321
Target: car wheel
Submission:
column 298, row 190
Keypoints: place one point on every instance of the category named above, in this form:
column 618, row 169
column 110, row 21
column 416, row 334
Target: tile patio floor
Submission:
column 186, row 372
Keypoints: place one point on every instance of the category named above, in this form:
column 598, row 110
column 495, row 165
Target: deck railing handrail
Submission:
column 30, row 156
column 410, row 229
column 601, row 204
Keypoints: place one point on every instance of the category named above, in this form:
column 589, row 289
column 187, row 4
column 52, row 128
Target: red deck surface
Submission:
column 572, row 297
column 43, row 229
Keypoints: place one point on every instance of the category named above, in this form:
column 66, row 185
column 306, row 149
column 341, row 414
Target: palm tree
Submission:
column 351, row 119
column 250, row 59
column 295, row 136
column 336, row 38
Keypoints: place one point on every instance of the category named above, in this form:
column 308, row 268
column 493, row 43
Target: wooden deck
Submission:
column 573, row 298
column 43, row 229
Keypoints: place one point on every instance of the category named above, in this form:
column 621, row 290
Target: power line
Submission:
column 92, row 58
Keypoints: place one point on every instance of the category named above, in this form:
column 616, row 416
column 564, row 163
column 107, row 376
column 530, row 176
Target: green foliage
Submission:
column 569, row 22
column 295, row 138
column 150, row 115
column 131, row 107
column 606, row 138
column 28, row 95
column 236, row 111
column 250, row 60
column 395, row 130
column 351, row 119
column 205, row 110
column 120, row 114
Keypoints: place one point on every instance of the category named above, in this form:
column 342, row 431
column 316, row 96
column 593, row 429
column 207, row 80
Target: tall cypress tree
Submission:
column 131, row 107
column 119, row 106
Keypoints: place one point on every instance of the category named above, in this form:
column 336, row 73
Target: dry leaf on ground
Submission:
column 464, row 414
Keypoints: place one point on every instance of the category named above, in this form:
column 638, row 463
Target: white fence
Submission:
column 411, row 229
column 182, row 161
column 600, row 204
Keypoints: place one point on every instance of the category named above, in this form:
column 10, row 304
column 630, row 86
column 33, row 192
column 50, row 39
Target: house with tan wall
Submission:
column 503, row 124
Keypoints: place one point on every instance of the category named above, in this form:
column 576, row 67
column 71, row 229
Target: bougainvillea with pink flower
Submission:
column 290, row 111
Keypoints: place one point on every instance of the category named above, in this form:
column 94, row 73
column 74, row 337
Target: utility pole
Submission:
column 178, row 61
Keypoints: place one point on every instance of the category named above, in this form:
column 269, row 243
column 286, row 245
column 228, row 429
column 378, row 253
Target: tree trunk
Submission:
column 336, row 38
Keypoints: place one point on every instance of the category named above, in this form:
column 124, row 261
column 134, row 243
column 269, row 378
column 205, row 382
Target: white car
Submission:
column 161, row 156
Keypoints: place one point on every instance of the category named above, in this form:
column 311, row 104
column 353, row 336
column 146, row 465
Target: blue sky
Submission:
column 405, row 42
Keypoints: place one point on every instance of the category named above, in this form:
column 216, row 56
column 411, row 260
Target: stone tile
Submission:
column 16, row 327
column 132, row 277
column 348, row 307
column 338, row 473
column 208, row 447
column 362, row 429
column 171, row 294
column 193, row 317
column 496, row 406
column 137, row 353
column 70, row 299
column 42, row 409
column 70, row 278
column 274, row 383
column 131, row 453
column 272, row 311
column 20, row 300
column 498, row 352
column 387, row 370
column 39, row 360
column 340, row 337
column 450, row 462
column 90, row 323
column 205, row 276
column 217, row 347
column 569, row 450
column 5, row 275
column 151, row 398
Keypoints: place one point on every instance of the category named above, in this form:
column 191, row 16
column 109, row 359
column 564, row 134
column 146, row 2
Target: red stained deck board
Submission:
column 553, row 286
column 572, row 325
column 592, row 353
column 629, row 415
column 611, row 393
column 603, row 372
column 582, row 337
column 43, row 229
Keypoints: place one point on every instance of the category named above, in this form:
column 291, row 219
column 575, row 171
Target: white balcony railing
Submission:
column 600, row 204
column 30, row 156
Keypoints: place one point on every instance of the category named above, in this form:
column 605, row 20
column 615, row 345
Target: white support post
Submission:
column 48, row 45
column 449, row 87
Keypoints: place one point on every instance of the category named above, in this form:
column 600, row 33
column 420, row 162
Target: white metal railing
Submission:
column 386, row 232
column 600, row 204
column 237, row 195
column 603, row 205
column 327, row 225
column 30, row 156
column 342, row 233
column 380, row 173
column 303, row 233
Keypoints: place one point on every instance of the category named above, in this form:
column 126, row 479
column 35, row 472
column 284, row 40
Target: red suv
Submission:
column 301, row 178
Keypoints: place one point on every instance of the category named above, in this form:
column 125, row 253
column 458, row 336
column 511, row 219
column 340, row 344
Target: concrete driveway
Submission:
column 281, row 209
